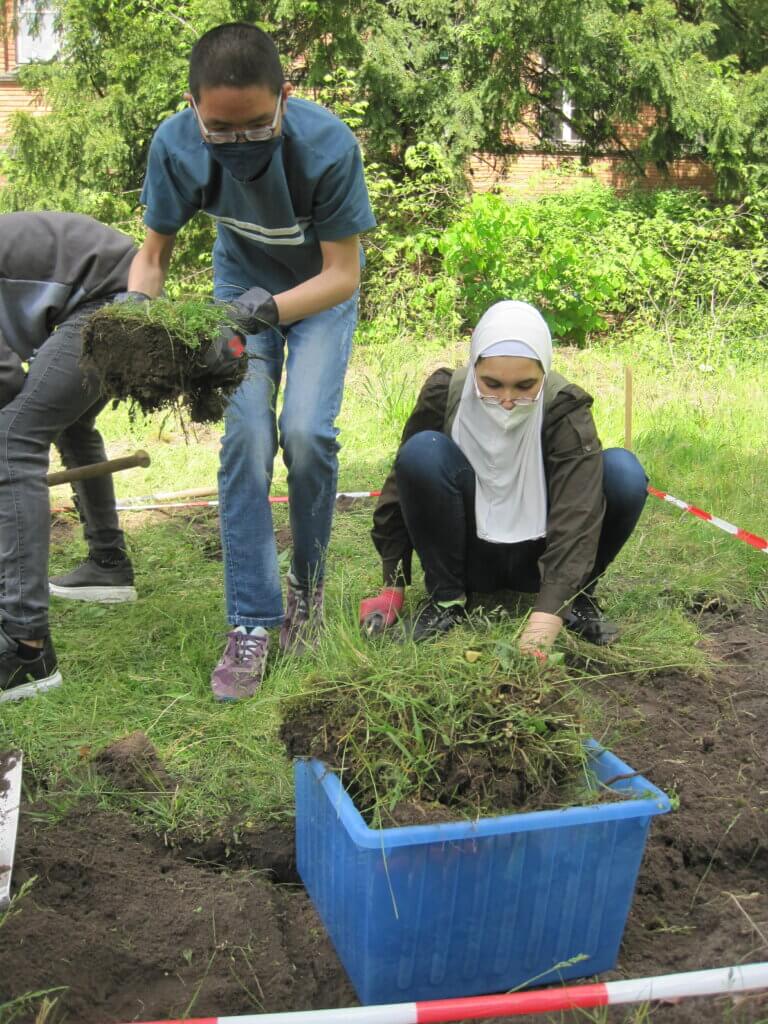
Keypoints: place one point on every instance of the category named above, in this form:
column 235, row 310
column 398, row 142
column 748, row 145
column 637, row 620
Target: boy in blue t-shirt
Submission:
column 283, row 179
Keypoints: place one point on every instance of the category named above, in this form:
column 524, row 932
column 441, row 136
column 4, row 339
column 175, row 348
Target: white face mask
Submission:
column 508, row 418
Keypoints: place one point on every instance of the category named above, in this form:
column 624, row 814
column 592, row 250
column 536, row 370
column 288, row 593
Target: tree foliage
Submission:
column 448, row 73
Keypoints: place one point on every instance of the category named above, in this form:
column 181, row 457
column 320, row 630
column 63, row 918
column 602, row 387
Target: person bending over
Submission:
column 283, row 180
column 55, row 270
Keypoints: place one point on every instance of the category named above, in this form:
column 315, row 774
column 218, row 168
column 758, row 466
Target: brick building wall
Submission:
column 12, row 97
column 8, row 41
column 532, row 172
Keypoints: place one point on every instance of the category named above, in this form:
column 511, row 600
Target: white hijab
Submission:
column 504, row 446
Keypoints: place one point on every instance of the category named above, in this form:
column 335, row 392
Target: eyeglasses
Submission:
column 493, row 400
column 261, row 134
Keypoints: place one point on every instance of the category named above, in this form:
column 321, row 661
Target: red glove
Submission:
column 220, row 359
column 380, row 612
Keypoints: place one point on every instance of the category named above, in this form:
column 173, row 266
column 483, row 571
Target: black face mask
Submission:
column 245, row 161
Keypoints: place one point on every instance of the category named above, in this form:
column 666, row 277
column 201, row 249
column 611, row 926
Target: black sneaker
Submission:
column 432, row 620
column 96, row 581
column 586, row 618
column 26, row 677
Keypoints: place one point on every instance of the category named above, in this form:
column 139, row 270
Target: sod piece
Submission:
column 482, row 739
column 150, row 354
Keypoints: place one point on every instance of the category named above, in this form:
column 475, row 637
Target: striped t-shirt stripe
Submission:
column 293, row 235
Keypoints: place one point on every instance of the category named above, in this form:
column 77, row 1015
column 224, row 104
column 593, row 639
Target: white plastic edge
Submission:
column 397, row 1013
column 718, row 981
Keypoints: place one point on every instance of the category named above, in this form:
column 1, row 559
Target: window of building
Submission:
column 36, row 37
column 556, row 128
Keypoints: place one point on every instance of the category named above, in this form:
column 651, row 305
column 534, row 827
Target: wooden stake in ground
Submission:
column 628, row 408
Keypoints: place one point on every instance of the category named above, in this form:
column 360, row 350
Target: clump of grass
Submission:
column 189, row 321
column 152, row 355
column 479, row 733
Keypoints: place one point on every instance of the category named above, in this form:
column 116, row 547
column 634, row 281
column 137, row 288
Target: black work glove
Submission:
column 254, row 311
column 221, row 360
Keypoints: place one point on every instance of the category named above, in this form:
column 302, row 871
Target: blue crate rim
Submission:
column 648, row 801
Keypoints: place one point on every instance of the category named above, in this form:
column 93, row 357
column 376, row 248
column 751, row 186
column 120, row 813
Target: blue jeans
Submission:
column 434, row 474
column 315, row 352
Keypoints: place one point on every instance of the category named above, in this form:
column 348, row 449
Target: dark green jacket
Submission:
column 574, row 472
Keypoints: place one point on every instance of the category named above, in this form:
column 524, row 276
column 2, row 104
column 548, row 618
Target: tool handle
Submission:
column 68, row 476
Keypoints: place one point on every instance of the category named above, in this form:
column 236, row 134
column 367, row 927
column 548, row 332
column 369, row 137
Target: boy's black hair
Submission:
column 236, row 54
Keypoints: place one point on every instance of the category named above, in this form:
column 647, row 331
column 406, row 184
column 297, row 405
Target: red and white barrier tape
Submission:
column 735, row 531
column 720, row 981
column 759, row 543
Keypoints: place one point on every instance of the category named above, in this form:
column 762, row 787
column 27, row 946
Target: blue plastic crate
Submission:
column 436, row 911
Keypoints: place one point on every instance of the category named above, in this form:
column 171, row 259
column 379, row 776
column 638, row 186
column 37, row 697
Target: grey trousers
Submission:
column 12, row 375
column 57, row 404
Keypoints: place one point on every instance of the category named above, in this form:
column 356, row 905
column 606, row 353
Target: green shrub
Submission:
column 541, row 251
column 587, row 257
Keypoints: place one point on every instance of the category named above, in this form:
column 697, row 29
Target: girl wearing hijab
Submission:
column 501, row 482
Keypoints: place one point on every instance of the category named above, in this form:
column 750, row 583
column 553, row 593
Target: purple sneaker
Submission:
column 303, row 620
column 241, row 669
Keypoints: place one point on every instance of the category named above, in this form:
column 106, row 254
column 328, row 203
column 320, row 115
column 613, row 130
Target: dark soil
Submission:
column 135, row 929
column 702, row 894
column 132, row 764
column 200, row 523
column 283, row 538
column 143, row 364
column 63, row 526
column 203, row 525
column 127, row 929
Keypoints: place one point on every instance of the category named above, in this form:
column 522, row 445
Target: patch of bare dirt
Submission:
column 132, row 764
column 123, row 928
column 202, row 524
column 63, row 527
column 702, row 892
